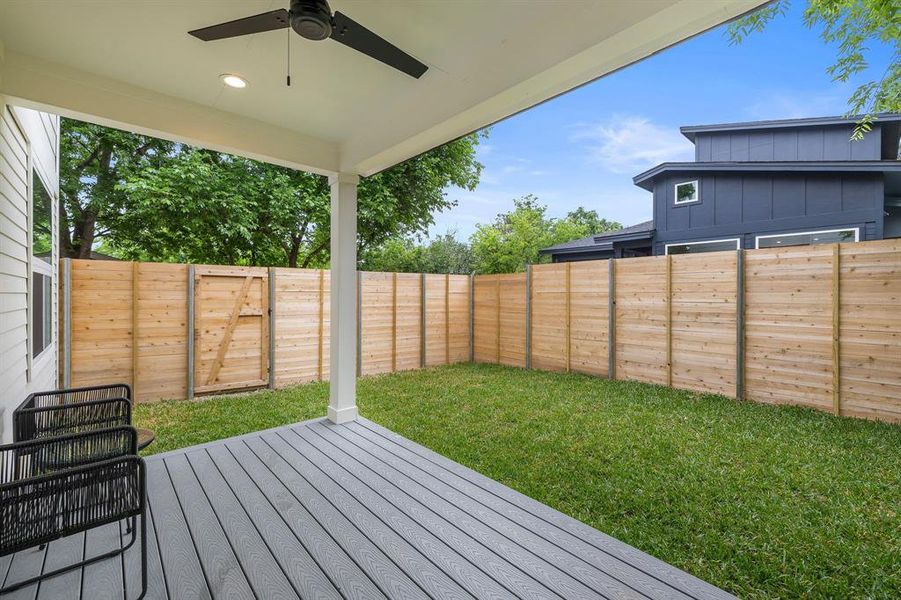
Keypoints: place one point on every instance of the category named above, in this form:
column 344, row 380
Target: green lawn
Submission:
column 762, row 501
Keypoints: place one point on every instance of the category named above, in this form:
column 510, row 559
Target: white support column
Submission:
column 342, row 405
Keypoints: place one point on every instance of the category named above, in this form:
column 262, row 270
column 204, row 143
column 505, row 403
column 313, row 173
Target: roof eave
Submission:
column 690, row 131
column 645, row 180
column 607, row 244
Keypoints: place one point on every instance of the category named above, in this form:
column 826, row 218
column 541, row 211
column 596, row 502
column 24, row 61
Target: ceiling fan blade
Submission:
column 268, row 21
column 352, row 34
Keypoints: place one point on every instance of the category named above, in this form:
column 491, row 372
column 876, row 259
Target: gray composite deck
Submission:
column 315, row 510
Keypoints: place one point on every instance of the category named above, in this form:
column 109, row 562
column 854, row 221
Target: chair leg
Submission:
column 143, row 554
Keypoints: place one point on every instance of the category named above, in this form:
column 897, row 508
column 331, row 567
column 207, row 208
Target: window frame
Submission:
column 38, row 266
column 757, row 239
column 737, row 241
column 677, row 202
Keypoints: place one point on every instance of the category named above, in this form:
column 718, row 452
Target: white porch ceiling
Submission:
column 131, row 64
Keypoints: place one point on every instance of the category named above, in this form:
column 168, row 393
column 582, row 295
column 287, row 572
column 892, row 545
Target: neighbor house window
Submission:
column 686, row 192
column 705, row 246
column 41, row 267
column 808, row 238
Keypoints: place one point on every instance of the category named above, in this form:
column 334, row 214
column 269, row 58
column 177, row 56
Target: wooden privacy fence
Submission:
column 817, row 326
column 173, row 331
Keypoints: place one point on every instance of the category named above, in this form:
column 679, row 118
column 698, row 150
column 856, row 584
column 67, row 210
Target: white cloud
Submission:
column 630, row 144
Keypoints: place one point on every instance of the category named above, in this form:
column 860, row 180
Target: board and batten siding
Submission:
column 28, row 140
column 744, row 205
column 803, row 143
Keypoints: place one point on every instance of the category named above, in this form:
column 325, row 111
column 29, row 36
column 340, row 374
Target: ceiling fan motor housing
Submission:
column 311, row 19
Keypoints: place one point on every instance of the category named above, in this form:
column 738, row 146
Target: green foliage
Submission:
column 443, row 254
column 154, row 200
column 209, row 207
column 513, row 240
column 851, row 25
column 94, row 164
column 764, row 501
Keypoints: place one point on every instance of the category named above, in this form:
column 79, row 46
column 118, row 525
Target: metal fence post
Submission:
column 611, row 318
column 836, row 330
column 190, row 348
column 447, row 359
column 497, row 316
column 422, row 318
column 394, row 322
column 272, row 319
column 669, row 320
column 739, row 324
column 528, row 316
column 568, row 307
column 472, row 279
column 135, row 320
column 359, row 323
column 67, row 325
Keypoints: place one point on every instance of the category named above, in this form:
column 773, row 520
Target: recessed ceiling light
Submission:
column 232, row 80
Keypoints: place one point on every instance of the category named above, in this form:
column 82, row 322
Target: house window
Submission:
column 705, row 246
column 808, row 238
column 41, row 267
column 686, row 192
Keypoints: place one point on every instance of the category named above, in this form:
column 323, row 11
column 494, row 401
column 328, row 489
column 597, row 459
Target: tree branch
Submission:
column 91, row 158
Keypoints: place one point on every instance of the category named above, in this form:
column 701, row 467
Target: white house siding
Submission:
column 28, row 140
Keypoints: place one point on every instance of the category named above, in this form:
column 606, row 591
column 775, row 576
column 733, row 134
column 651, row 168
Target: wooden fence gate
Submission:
column 231, row 328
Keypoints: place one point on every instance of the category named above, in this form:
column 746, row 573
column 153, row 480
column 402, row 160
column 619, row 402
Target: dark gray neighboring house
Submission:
column 765, row 184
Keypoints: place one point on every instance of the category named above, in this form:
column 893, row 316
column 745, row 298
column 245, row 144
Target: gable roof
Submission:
column 605, row 240
column 690, row 131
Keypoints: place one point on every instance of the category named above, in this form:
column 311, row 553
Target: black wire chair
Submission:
column 58, row 412
column 55, row 487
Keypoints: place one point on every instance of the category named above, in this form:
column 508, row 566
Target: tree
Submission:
column 443, row 254
column 590, row 222
column 94, row 162
column 513, row 240
column 852, row 25
column 155, row 200
column 446, row 254
column 397, row 254
column 216, row 208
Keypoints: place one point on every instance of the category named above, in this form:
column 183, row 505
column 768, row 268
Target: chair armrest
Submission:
column 38, row 510
column 21, row 460
column 39, row 422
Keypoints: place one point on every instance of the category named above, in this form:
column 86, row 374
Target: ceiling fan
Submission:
column 313, row 20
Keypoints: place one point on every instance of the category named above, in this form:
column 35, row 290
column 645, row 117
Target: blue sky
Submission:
column 583, row 148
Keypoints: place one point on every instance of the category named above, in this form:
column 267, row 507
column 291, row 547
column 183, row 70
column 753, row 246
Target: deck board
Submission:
column 507, row 577
column 355, row 511
column 568, row 575
column 103, row 580
column 271, row 542
column 337, row 564
column 596, row 569
column 59, row 554
column 455, row 565
column 224, row 572
column 672, row 578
